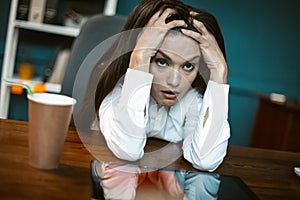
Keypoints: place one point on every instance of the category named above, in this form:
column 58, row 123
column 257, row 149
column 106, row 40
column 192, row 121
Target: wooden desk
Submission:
column 268, row 173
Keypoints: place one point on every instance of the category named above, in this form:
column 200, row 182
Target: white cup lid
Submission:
column 52, row 99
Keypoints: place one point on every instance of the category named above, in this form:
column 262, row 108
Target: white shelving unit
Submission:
column 47, row 28
column 11, row 43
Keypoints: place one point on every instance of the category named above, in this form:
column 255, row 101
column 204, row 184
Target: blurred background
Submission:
column 262, row 43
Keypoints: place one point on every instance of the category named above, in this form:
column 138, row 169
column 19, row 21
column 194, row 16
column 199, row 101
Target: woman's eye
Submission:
column 161, row 62
column 188, row 67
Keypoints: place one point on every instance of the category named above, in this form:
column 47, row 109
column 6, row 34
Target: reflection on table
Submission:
column 125, row 181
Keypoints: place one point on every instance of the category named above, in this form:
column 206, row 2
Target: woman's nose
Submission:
column 173, row 78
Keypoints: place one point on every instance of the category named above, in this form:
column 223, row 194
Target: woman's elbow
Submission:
column 207, row 163
column 207, row 166
column 128, row 156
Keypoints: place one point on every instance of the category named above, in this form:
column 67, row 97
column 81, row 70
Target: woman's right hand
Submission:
column 150, row 39
column 210, row 50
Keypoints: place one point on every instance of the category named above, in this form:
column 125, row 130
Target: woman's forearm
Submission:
column 206, row 145
column 122, row 117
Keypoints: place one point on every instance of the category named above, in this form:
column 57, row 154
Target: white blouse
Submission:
column 128, row 115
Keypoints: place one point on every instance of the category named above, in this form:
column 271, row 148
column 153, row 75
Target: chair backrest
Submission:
column 96, row 29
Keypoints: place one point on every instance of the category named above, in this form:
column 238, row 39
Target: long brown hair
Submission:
column 115, row 68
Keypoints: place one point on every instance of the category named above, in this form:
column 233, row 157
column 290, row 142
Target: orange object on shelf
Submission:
column 25, row 71
column 35, row 88
column 16, row 89
column 38, row 88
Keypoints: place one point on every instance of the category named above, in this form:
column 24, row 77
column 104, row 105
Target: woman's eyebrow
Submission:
column 193, row 58
column 164, row 55
column 169, row 58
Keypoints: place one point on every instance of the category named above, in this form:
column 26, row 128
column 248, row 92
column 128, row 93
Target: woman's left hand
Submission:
column 211, row 53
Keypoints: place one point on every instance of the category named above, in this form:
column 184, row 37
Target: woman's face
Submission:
column 175, row 67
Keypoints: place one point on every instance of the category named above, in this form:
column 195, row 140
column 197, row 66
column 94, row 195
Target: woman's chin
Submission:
column 168, row 102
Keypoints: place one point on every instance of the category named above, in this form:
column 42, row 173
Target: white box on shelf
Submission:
column 37, row 11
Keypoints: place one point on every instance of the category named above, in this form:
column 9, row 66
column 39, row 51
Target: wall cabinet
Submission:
column 277, row 125
column 11, row 44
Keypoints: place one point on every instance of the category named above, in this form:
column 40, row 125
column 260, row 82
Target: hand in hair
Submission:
column 151, row 38
column 210, row 50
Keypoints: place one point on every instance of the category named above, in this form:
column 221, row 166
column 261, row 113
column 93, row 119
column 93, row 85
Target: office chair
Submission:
column 85, row 54
column 96, row 29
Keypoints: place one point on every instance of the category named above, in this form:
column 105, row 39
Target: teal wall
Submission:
column 262, row 43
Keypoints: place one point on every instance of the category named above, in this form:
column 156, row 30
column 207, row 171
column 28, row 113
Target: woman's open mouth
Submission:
column 169, row 94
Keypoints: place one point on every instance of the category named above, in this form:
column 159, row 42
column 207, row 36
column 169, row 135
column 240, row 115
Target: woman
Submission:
column 156, row 89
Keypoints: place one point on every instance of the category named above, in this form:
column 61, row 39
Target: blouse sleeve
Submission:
column 122, row 115
column 205, row 146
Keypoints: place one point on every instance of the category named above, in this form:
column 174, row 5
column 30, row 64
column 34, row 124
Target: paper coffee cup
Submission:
column 49, row 117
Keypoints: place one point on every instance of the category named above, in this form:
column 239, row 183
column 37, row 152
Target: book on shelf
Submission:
column 23, row 9
column 51, row 11
column 57, row 12
column 37, row 11
column 59, row 67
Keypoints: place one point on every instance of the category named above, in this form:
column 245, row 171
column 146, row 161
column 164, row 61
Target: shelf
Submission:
column 50, row 87
column 11, row 47
column 48, row 28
